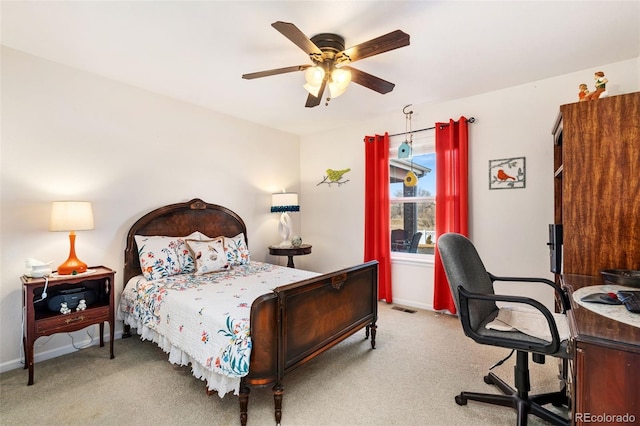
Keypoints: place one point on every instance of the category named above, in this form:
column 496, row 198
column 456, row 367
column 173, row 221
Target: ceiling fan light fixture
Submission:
column 340, row 79
column 326, row 51
column 314, row 90
column 314, row 76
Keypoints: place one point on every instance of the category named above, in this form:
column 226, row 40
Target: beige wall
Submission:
column 509, row 227
column 67, row 134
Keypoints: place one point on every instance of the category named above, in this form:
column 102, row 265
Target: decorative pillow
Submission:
column 209, row 255
column 236, row 250
column 164, row 256
column 197, row 235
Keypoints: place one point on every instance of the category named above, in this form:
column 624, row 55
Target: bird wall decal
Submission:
column 335, row 176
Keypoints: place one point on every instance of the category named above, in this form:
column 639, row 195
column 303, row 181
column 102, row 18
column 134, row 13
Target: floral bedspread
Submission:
column 204, row 319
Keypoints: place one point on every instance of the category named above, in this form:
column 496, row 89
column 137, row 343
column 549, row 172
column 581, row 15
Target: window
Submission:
column 413, row 208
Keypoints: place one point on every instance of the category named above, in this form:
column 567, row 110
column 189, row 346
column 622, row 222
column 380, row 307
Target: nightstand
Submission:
column 290, row 252
column 40, row 320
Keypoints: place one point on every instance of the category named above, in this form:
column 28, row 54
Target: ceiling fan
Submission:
column 330, row 62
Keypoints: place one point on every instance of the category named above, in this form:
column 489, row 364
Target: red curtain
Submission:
column 377, row 238
column 452, row 201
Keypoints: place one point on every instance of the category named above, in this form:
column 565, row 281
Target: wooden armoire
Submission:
column 597, row 202
column 597, row 184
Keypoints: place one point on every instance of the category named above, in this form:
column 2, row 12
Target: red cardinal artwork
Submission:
column 503, row 176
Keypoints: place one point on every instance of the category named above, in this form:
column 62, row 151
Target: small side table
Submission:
column 290, row 252
column 40, row 321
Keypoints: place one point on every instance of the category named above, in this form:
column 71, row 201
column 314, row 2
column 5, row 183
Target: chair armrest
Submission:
column 562, row 295
column 550, row 348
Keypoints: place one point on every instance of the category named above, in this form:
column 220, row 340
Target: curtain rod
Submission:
column 469, row 120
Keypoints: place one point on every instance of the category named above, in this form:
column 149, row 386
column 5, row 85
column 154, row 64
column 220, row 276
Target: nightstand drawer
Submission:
column 72, row 321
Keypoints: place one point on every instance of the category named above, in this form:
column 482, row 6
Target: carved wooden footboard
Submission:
column 301, row 320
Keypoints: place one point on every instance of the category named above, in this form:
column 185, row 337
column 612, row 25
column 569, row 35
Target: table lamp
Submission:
column 71, row 216
column 284, row 202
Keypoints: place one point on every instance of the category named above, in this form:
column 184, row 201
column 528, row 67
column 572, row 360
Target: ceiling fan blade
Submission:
column 370, row 81
column 275, row 71
column 385, row 43
column 298, row 38
column 313, row 101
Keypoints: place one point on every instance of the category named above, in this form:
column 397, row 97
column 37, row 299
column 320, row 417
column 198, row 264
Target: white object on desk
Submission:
column 36, row 268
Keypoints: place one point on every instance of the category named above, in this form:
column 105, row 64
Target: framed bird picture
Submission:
column 507, row 173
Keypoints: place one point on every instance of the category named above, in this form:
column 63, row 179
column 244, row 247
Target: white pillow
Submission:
column 164, row 256
column 209, row 255
column 197, row 235
column 236, row 250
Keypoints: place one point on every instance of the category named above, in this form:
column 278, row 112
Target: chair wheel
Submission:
column 460, row 400
column 487, row 380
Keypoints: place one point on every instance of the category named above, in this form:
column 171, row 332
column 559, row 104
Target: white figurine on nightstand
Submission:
column 82, row 305
column 64, row 309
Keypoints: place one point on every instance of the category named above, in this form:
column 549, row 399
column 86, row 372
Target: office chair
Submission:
column 475, row 299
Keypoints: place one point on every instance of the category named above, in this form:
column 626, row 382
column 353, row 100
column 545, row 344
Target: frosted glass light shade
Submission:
column 314, row 76
column 340, row 79
column 314, row 90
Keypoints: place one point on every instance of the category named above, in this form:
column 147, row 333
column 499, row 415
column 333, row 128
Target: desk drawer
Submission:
column 73, row 321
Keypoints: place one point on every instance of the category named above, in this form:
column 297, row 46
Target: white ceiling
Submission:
column 196, row 51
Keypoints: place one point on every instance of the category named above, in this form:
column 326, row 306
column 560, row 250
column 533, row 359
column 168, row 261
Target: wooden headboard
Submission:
column 179, row 220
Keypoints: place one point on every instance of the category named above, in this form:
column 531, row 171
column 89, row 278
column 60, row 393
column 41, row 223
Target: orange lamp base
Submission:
column 72, row 265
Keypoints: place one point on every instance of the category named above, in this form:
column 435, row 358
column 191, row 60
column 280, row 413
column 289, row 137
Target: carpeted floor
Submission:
column 421, row 362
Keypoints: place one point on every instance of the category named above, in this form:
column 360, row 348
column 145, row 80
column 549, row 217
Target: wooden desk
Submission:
column 605, row 369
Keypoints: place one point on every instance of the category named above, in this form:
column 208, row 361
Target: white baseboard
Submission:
column 56, row 352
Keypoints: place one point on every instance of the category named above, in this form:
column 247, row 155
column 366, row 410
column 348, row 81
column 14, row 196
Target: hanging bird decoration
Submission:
column 334, row 176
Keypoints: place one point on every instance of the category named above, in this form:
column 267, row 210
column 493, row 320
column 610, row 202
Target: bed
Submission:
column 242, row 326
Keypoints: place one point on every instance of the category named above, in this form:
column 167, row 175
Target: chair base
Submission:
column 523, row 403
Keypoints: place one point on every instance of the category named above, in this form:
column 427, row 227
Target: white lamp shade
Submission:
column 284, row 199
column 71, row 216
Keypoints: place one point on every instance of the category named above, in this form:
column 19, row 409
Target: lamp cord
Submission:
column 85, row 346
column 44, row 292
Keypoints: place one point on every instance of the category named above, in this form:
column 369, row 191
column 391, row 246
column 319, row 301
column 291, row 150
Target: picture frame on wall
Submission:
column 507, row 173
